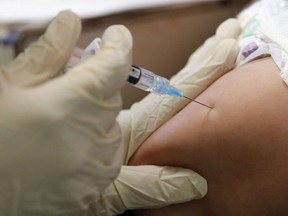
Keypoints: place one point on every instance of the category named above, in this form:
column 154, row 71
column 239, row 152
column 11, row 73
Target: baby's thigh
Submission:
column 239, row 146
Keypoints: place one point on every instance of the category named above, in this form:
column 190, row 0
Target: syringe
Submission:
column 142, row 78
column 148, row 81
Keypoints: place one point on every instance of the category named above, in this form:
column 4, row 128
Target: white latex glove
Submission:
column 154, row 186
column 60, row 145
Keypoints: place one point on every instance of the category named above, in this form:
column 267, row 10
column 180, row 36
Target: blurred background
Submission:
column 165, row 32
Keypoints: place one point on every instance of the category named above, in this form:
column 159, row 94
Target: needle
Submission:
column 197, row 102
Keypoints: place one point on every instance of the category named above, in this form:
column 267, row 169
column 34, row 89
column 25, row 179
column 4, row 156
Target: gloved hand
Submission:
column 60, row 145
column 153, row 186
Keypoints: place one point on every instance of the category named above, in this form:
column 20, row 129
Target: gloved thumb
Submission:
column 46, row 57
column 146, row 187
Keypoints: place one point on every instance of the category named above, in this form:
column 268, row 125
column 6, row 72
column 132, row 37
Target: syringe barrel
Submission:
column 141, row 78
column 148, row 81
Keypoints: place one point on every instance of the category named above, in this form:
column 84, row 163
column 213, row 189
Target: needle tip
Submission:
column 197, row 102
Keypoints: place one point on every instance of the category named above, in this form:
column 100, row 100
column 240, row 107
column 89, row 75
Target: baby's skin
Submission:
column 240, row 145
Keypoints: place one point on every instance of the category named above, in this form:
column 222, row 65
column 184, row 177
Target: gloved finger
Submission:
column 230, row 28
column 46, row 57
column 105, row 73
column 193, row 80
column 146, row 187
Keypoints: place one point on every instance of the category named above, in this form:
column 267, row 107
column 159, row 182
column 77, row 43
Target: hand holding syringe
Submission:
column 142, row 78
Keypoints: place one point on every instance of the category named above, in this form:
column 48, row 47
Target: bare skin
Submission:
column 240, row 146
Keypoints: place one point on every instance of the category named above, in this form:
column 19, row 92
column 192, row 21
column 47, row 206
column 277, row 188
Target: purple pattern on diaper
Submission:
column 249, row 49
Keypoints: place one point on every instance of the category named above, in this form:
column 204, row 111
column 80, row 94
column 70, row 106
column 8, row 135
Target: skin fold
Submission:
column 240, row 145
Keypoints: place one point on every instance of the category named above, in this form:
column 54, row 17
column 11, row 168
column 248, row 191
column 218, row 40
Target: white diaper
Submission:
column 267, row 36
